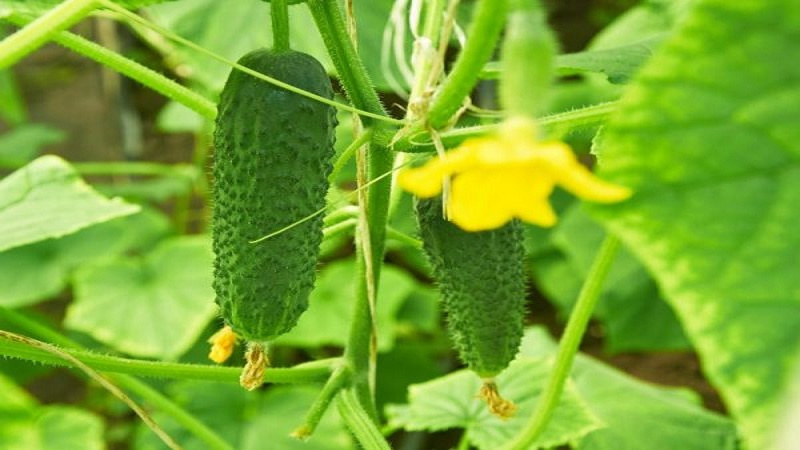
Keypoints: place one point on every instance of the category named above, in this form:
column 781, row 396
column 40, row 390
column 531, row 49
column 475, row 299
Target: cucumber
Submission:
column 272, row 158
column 482, row 284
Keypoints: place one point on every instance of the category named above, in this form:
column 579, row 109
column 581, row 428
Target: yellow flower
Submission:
column 222, row 343
column 510, row 174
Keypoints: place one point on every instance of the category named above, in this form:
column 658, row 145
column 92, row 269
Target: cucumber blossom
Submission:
column 482, row 284
column 272, row 158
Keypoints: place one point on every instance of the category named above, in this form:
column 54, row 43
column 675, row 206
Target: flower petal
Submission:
column 476, row 201
column 574, row 177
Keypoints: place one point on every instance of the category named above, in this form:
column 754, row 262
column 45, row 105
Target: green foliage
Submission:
column 634, row 315
column 450, row 402
column 20, row 145
column 711, row 148
column 38, row 271
column 38, row 7
column 155, row 304
column 47, row 199
column 633, row 412
column 25, row 425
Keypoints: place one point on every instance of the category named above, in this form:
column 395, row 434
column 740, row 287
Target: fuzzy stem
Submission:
column 358, row 422
column 330, row 22
column 36, row 33
column 303, row 373
column 279, row 9
column 484, row 32
column 580, row 118
column 568, row 347
column 332, row 387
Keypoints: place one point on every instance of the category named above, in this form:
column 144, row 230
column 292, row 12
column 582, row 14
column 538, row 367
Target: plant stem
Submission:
column 359, row 423
column 134, row 168
column 568, row 347
column 329, row 20
column 332, row 387
column 279, row 9
column 586, row 117
column 348, row 153
column 304, row 373
column 483, row 35
column 36, row 33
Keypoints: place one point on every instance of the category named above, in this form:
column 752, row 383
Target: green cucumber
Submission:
column 272, row 158
column 482, row 284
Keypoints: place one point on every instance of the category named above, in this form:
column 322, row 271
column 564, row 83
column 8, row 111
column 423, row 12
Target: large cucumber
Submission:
column 272, row 158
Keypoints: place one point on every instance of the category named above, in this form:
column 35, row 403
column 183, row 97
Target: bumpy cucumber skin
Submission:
column 482, row 283
column 272, row 158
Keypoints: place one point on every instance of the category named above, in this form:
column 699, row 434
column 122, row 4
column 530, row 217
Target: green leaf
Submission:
column 24, row 425
column 248, row 420
column 20, row 145
column 711, row 147
column 37, row 271
column 635, row 412
column 634, row 315
column 618, row 64
column 154, row 305
column 327, row 320
column 47, row 199
column 13, row 110
column 451, row 402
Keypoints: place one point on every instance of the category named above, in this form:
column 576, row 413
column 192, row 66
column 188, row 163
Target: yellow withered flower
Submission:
column 509, row 174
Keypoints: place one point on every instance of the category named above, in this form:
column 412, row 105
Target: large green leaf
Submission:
column 47, row 199
column 154, row 305
column 635, row 413
column 24, row 425
column 451, row 402
column 708, row 137
column 37, row 271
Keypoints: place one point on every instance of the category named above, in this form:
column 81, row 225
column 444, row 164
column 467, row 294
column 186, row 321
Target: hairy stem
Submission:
column 304, row 373
column 36, row 33
column 590, row 116
column 568, row 346
column 483, row 35
column 359, row 423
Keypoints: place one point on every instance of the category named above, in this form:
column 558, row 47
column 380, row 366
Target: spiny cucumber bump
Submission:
column 273, row 152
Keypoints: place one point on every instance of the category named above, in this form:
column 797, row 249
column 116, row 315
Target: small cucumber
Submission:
column 482, row 284
column 272, row 158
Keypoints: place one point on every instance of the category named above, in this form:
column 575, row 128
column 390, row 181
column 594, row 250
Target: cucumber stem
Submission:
column 568, row 346
column 279, row 10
